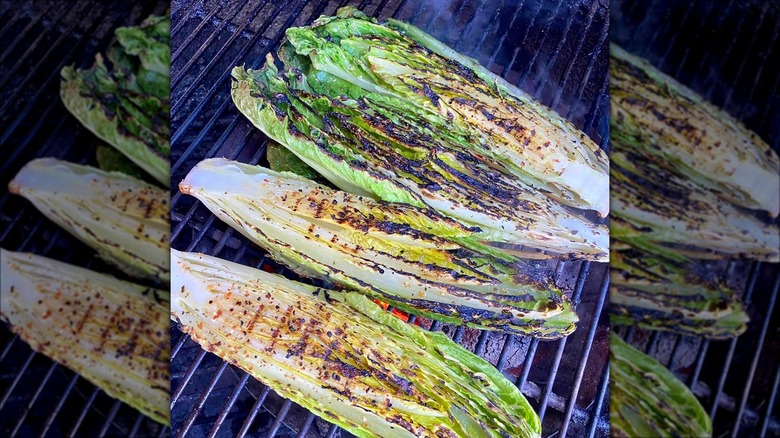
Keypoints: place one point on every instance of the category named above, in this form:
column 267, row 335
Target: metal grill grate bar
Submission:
column 509, row 67
column 83, row 413
column 50, row 419
column 33, row 399
column 771, row 404
column 253, row 412
column 704, row 64
column 202, row 400
column 584, row 268
column 602, row 394
column 18, row 37
column 280, row 416
column 306, row 426
column 746, row 52
column 17, row 379
column 727, row 53
column 220, row 83
column 772, row 47
column 136, row 425
column 183, row 382
column 529, row 65
column 492, row 59
column 109, row 419
column 179, row 73
column 229, row 405
column 234, row 35
column 332, row 431
column 54, row 74
column 23, row 146
column 695, row 40
column 676, row 34
column 8, row 346
column 577, row 53
column 27, row 54
column 470, row 26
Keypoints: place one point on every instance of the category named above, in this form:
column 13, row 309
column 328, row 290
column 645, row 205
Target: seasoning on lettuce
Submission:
column 124, row 219
column 342, row 357
column 413, row 258
column 675, row 127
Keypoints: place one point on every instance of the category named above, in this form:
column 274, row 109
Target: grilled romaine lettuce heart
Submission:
column 124, row 219
column 113, row 333
column 341, row 356
column 378, row 152
column 453, row 93
column 646, row 399
column 413, row 258
column 658, row 211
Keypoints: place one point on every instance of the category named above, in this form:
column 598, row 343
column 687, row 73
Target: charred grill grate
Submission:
column 554, row 50
column 37, row 396
column 728, row 52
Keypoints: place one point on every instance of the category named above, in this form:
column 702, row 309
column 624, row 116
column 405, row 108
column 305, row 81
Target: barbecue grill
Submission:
column 555, row 50
column 37, row 396
column 728, row 52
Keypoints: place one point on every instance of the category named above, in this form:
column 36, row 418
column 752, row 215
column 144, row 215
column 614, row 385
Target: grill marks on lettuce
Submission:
column 658, row 294
column 675, row 127
column 126, row 101
column 412, row 257
column 342, row 357
column 370, row 150
column 113, row 333
column 398, row 61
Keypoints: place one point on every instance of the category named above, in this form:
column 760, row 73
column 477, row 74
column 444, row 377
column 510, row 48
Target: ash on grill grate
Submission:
column 554, row 50
column 38, row 396
column 728, row 52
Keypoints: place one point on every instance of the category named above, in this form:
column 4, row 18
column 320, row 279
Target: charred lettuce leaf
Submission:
column 341, row 356
column 660, row 212
column 113, row 333
column 660, row 294
column 378, row 152
column 125, row 99
column 675, row 127
column 397, row 64
column 646, row 399
column 413, row 258
column 126, row 220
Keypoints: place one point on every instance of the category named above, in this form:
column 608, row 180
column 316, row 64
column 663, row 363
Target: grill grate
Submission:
column 38, row 396
column 729, row 54
column 554, row 50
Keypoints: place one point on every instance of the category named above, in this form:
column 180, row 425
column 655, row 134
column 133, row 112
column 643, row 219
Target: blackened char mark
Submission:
column 433, row 97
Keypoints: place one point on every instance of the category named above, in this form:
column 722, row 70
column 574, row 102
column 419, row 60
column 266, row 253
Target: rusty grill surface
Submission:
column 728, row 51
column 38, row 397
column 554, row 50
